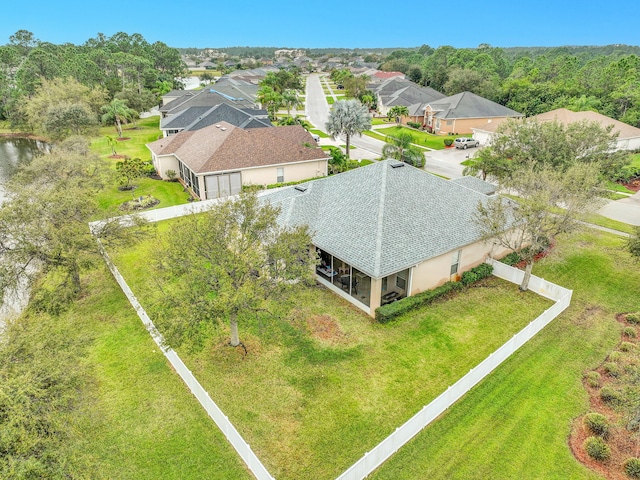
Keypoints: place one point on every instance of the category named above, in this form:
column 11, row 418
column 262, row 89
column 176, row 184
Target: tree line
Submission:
column 121, row 65
column 534, row 80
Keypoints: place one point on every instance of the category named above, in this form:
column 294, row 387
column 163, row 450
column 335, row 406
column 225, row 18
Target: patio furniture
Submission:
column 389, row 297
column 344, row 283
column 327, row 272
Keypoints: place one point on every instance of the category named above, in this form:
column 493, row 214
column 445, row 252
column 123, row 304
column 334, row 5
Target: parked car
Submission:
column 464, row 142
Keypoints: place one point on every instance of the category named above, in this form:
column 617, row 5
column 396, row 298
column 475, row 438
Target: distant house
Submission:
column 216, row 161
column 628, row 136
column 396, row 91
column 388, row 230
column 239, row 96
column 195, row 118
column 464, row 111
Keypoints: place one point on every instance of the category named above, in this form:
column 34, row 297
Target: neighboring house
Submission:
column 628, row 136
column 195, row 118
column 399, row 91
column 387, row 230
column 464, row 111
column 216, row 161
column 175, row 94
column 239, row 96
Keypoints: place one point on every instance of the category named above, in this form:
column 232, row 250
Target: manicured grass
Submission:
column 310, row 406
column 382, row 121
column 320, row 133
column 198, row 73
column 597, row 219
column 330, row 100
column 635, row 160
column 515, row 424
column 169, row 193
column 373, row 134
column 616, row 187
column 422, row 138
column 135, row 418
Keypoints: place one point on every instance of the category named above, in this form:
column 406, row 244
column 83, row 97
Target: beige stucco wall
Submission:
column 436, row 271
column 464, row 125
column 164, row 163
column 293, row 172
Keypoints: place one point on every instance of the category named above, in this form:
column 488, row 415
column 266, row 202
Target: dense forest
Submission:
column 532, row 80
column 123, row 65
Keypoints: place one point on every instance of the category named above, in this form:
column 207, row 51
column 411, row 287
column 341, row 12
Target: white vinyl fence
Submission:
column 429, row 413
column 221, row 420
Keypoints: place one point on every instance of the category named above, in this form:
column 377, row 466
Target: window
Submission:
column 280, row 175
column 401, row 279
column 455, row 262
column 449, row 122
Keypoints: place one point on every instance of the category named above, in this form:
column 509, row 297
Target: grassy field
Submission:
column 421, row 138
column 312, row 404
column 515, row 424
column 169, row 193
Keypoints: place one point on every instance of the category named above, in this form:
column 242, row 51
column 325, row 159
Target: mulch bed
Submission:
column 633, row 185
column 123, row 139
column 621, row 441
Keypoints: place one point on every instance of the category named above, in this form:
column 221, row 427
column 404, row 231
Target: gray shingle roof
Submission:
column 243, row 97
column 470, row 105
column 195, row 118
column 477, row 185
column 382, row 219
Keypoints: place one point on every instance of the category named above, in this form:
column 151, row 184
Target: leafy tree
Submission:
column 397, row 112
column 138, row 101
column 129, row 169
column 356, row 86
column 400, row 147
column 230, row 260
column 348, row 118
column 550, row 202
column 65, row 119
column 548, row 144
column 415, row 74
column 61, row 100
column 43, row 222
column 338, row 161
column 116, row 112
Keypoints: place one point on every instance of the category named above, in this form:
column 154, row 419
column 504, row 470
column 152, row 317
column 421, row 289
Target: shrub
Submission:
column 597, row 448
column 632, row 467
column 633, row 318
column 615, row 356
column 597, row 424
column 414, row 124
column 172, row 175
column 448, row 142
column 511, row 259
column 468, row 278
column 385, row 313
column 612, row 369
column 593, row 379
column 629, row 332
column 627, row 346
column 610, row 395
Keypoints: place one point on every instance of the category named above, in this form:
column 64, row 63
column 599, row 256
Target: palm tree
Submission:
column 398, row 111
column 400, row 148
column 348, row 117
column 290, row 100
column 116, row 112
column 270, row 100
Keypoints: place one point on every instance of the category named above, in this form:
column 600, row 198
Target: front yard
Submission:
column 424, row 139
column 322, row 383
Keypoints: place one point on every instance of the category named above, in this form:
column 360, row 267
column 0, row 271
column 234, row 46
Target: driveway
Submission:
column 625, row 210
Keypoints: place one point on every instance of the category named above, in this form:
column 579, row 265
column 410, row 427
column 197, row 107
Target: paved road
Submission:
column 626, row 210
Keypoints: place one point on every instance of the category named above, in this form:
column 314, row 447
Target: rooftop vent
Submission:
column 217, row 126
column 223, row 129
column 397, row 165
column 301, row 188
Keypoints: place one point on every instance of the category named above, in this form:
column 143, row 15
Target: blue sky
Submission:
column 351, row 24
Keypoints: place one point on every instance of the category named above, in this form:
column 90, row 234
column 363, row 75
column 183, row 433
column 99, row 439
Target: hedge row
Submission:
column 388, row 312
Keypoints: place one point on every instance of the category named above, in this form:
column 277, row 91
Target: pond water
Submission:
column 14, row 152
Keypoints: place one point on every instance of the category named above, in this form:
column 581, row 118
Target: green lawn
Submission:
column 330, row 100
column 515, row 424
column 422, row 138
column 382, row 121
column 320, row 133
column 635, row 162
column 169, row 193
column 309, row 406
column 373, row 134
column 134, row 419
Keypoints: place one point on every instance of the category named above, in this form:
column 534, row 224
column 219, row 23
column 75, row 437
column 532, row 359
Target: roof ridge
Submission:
column 383, row 187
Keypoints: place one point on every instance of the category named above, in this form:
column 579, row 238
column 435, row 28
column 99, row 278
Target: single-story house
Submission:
column 195, row 118
column 464, row 111
column 216, row 161
column 238, row 96
column 628, row 136
column 388, row 230
column 399, row 91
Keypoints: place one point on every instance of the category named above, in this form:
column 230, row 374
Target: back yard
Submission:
column 322, row 383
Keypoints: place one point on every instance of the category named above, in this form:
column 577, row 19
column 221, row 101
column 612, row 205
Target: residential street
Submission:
column 444, row 162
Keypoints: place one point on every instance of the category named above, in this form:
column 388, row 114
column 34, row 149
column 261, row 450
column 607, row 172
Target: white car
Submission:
column 464, row 142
